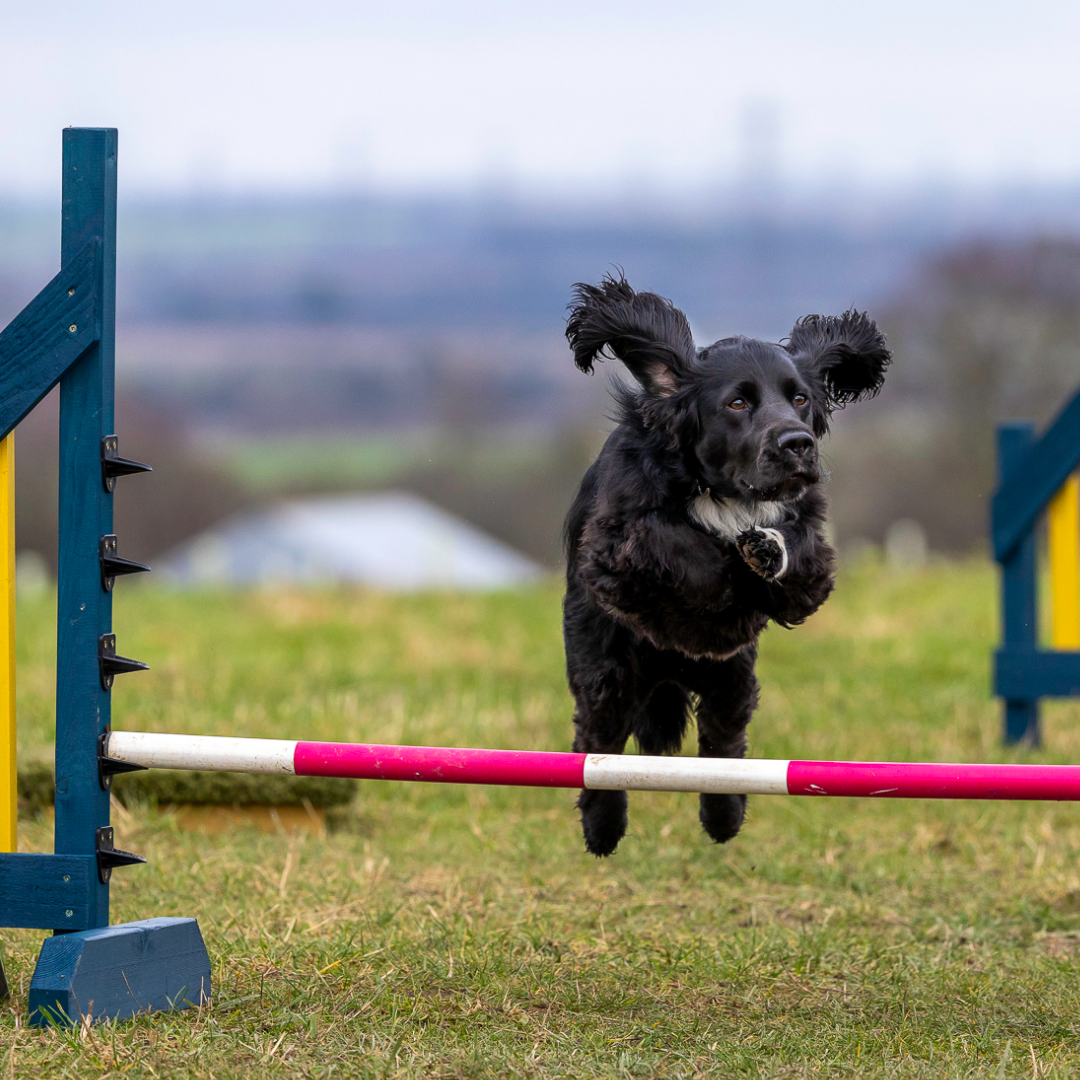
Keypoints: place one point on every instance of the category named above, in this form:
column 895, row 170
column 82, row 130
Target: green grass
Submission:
column 463, row 932
column 269, row 466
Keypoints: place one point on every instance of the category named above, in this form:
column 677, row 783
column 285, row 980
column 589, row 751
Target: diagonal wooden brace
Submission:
column 49, row 335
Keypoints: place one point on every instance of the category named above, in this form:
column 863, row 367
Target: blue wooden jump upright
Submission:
column 66, row 336
column 1030, row 473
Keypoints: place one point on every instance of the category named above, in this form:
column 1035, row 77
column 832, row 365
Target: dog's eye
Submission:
column 800, row 400
column 737, row 404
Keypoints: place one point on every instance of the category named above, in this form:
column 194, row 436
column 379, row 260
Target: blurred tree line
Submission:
column 520, row 498
column 988, row 331
column 182, row 496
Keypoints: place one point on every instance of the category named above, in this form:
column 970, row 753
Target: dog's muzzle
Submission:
column 789, row 465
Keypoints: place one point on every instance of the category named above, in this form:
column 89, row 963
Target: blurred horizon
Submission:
column 735, row 262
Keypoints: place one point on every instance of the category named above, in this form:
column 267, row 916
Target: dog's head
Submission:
column 745, row 415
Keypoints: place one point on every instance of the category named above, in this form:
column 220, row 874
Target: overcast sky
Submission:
column 320, row 94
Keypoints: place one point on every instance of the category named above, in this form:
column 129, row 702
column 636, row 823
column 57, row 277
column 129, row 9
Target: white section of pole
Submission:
column 213, row 753
column 721, row 776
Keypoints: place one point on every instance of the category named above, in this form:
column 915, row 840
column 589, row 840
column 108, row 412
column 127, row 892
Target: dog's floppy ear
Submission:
column 646, row 332
column 847, row 353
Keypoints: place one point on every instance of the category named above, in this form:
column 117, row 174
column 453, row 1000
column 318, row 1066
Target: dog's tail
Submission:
column 646, row 332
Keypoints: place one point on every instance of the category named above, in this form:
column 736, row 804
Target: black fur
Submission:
column 676, row 541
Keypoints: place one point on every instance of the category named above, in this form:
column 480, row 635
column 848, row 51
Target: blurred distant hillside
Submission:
column 349, row 313
column 279, row 346
column 474, row 264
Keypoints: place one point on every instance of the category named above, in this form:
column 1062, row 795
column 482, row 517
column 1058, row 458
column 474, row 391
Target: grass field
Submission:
column 458, row 932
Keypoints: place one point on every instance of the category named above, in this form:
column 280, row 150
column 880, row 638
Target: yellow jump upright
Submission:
column 9, row 813
column 1063, row 541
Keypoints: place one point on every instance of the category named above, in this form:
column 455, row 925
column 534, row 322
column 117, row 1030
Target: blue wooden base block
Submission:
column 118, row 971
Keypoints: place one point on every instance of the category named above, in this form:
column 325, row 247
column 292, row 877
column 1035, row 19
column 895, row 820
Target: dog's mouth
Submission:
column 791, row 487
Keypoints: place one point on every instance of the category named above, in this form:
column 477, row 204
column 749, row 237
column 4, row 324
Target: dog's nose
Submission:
column 798, row 442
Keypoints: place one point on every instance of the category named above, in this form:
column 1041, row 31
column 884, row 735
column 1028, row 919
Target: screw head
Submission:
column 67, row 877
column 72, row 328
column 69, row 913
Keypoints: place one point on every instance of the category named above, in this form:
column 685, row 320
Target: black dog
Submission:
column 700, row 520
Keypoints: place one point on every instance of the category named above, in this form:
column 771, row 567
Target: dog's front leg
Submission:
column 603, row 813
column 601, row 666
column 797, row 563
column 728, row 692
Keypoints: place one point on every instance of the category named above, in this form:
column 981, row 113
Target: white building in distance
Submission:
column 391, row 540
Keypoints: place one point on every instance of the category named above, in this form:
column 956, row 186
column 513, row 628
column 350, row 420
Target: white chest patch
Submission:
column 728, row 518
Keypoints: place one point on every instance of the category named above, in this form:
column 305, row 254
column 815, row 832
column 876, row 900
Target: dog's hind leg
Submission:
column 659, row 727
column 728, row 691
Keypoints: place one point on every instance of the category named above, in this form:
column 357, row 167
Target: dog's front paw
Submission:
column 722, row 816
column 764, row 551
column 603, row 820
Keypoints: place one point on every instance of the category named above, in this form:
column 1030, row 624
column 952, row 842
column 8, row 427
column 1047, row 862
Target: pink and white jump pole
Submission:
column 749, row 776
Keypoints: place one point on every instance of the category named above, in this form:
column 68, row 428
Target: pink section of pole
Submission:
column 902, row 780
column 530, row 768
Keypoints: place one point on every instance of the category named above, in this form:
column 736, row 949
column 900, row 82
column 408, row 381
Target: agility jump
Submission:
column 1037, row 482
column 598, row 772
